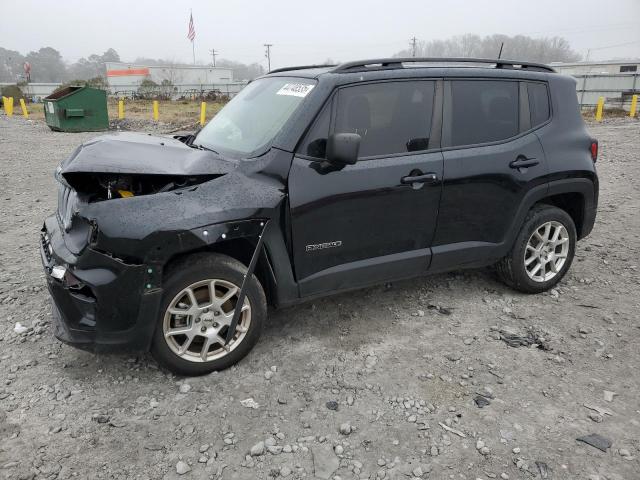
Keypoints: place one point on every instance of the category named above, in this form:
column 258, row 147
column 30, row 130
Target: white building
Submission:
column 593, row 68
column 124, row 78
column 35, row 91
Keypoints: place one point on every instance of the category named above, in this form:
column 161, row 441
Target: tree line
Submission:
column 518, row 47
column 47, row 65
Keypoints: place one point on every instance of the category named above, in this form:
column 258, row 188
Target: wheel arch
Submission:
column 238, row 240
column 575, row 196
column 240, row 249
column 560, row 193
column 571, row 202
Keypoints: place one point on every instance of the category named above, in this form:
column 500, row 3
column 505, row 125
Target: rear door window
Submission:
column 390, row 117
column 538, row 103
column 483, row 111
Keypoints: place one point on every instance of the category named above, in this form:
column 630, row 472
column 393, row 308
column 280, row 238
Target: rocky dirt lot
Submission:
column 411, row 380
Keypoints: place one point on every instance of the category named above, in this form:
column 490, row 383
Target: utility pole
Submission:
column 267, row 53
column 413, row 46
column 213, row 55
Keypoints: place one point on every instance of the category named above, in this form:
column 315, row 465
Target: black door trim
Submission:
column 375, row 270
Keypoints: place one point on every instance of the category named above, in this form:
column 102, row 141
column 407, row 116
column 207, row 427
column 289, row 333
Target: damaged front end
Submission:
column 128, row 203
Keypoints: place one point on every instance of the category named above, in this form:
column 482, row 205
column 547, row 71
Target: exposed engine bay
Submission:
column 124, row 165
column 97, row 187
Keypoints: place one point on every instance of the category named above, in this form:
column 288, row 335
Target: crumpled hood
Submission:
column 139, row 153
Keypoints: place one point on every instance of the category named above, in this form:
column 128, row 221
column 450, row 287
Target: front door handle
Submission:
column 523, row 162
column 419, row 178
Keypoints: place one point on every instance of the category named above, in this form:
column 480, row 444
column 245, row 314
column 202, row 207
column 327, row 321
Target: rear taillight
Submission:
column 594, row 150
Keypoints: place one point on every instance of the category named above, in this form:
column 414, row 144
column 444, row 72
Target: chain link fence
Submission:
column 184, row 91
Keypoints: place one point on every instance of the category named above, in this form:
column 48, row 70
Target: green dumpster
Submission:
column 77, row 109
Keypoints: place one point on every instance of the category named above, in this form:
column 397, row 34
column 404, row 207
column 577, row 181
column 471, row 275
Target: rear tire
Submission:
column 536, row 263
column 197, row 306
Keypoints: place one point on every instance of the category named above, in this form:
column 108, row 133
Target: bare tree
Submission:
column 171, row 73
column 242, row 71
column 518, row 47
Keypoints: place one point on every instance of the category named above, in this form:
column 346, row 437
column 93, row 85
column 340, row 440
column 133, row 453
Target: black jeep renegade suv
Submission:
column 314, row 180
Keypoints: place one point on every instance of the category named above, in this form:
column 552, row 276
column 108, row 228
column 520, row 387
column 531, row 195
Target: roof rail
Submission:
column 300, row 67
column 395, row 63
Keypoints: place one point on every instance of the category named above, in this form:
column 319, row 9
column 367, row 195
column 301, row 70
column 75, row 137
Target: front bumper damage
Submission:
column 99, row 303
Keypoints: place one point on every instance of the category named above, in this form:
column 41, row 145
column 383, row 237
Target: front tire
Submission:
column 542, row 252
column 199, row 299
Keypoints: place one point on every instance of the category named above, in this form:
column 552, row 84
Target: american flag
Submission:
column 192, row 31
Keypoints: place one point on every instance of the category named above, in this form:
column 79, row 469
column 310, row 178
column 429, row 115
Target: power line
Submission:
column 586, row 59
column 413, row 46
column 213, row 55
column 267, row 54
column 616, row 45
column 584, row 29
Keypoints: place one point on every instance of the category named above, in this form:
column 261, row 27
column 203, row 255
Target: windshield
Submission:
column 252, row 119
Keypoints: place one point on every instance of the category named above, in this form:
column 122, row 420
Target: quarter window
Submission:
column 538, row 103
column 483, row 111
column 315, row 142
column 390, row 117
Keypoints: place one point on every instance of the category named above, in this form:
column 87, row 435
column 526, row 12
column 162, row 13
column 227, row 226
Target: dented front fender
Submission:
column 137, row 227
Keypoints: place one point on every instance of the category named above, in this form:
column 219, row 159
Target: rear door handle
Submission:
column 523, row 162
column 421, row 178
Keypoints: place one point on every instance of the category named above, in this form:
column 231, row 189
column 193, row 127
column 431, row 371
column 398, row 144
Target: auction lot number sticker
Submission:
column 295, row 89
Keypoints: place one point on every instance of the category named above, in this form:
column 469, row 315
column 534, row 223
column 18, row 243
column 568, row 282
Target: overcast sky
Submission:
column 307, row 31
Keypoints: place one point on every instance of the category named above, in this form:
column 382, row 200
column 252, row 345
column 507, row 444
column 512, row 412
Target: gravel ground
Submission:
column 386, row 382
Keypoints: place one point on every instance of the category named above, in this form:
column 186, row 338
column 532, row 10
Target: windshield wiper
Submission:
column 199, row 146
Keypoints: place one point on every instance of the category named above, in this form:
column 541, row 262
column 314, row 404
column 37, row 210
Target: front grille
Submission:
column 67, row 200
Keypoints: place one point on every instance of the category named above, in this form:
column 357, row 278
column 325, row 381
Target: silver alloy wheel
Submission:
column 198, row 318
column 546, row 252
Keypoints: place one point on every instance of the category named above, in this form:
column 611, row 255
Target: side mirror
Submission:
column 342, row 148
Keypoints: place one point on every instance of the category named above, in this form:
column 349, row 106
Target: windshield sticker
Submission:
column 295, row 89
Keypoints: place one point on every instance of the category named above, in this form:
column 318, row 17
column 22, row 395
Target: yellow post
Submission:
column 599, row 109
column 23, row 105
column 10, row 106
column 155, row 110
column 120, row 109
column 203, row 113
column 634, row 106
